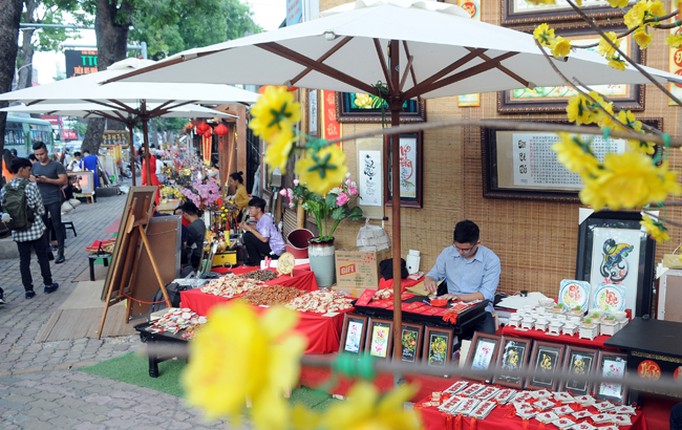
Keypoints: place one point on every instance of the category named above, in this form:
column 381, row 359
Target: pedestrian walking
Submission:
column 51, row 177
column 33, row 237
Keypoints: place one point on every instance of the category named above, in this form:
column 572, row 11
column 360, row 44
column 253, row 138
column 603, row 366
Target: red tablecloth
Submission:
column 502, row 417
column 597, row 342
column 301, row 278
column 323, row 333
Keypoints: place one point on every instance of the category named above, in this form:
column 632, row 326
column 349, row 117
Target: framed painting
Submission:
column 379, row 338
column 353, row 333
column 545, row 360
column 554, row 99
column 483, row 354
column 411, row 170
column 370, row 174
column 617, row 258
column 437, row 346
column 359, row 107
column 522, row 12
column 611, row 365
column 520, row 164
column 412, row 336
column 579, row 362
column 513, row 356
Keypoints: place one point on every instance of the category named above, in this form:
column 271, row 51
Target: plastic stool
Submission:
column 69, row 224
column 91, row 261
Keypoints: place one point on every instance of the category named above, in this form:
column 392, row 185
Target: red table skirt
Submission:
column 323, row 333
column 502, row 417
column 301, row 278
column 598, row 341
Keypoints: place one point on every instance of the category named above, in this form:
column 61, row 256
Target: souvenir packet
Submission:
column 541, row 394
column 609, row 427
column 471, row 390
column 505, row 395
column 564, row 422
column 450, row 403
column 563, row 397
column 466, row 406
column 602, row 418
column 483, row 409
column 546, row 417
column 563, row 410
column 543, row 404
column 621, row 420
column 486, row 393
column 604, row 406
column 523, row 396
column 583, row 426
column 585, row 400
column 456, row 387
column 623, row 409
column 582, row 414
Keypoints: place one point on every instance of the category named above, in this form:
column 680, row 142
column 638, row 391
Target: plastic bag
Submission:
column 372, row 238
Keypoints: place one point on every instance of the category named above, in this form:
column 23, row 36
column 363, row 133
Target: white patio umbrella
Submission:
column 94, row 110
column 129, row 101
column 394, row 49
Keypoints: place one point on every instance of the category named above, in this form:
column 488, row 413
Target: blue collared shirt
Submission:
column 480, row 274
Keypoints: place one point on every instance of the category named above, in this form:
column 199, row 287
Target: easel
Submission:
column 130, row 242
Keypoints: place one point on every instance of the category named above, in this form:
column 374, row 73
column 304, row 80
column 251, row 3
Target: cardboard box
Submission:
column 359, row 270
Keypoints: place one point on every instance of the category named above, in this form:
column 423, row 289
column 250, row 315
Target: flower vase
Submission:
column 321, row 255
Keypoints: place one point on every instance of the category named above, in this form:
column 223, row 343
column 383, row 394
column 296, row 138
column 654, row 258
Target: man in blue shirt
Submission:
column 264, row 239
column 470, row 270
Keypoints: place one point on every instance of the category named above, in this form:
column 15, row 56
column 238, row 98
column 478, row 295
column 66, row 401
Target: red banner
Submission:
column 331, row 128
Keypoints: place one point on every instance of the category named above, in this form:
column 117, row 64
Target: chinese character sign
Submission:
column 370, row 178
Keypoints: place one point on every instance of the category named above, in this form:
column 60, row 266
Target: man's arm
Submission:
column 255, row 232
column 435, row 275
column 62, row 179
column 491, row 279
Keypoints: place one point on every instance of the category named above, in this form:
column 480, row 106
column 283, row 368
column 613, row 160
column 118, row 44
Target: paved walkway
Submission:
column 40, row 386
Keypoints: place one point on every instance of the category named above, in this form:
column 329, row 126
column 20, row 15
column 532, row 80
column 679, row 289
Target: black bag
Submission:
column 386, row 268
column 173, row 289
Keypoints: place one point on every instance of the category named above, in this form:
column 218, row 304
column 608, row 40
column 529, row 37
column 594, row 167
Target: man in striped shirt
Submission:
column 33, row 237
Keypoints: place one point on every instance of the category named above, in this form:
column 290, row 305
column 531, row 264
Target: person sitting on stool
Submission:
column 263, row 240
column 195, row 236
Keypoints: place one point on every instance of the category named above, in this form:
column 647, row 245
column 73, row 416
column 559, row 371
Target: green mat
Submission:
column 133, row 369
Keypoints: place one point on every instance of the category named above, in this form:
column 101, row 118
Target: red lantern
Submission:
column 208, row 133
column 203, row 127
column 220, row 130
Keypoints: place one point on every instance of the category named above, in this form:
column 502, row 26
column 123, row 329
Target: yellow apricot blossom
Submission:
column 322, row 170
column 619, row 3
column 605, row 47
column 635, row 16
column 617, row 63
column 575, row 155
column 629, row 119
column 655, row 229
column 275, row 110
column 363, row 101
column 581, row 110
column 560, row 47
column 366, row 409
column 277, row 152
column 239, row 356
column 642, row 146
column 656, row 9
column 674, row 41
column 544, row 34
column 643, row 38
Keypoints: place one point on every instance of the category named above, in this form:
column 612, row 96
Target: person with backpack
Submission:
column 50, row 176
column 23, row 209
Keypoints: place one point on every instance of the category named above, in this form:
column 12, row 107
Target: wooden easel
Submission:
column 130, row 242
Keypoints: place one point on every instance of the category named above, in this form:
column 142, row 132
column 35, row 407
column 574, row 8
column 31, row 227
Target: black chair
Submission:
column 69, row 224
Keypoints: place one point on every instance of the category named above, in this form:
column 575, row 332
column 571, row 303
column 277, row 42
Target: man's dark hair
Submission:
column 77, row 154
column 466, row 232
column 32, row 158
column 18, row 163
column 86, row 152
column 190, row 208
column 39, row 145
column 257, row 202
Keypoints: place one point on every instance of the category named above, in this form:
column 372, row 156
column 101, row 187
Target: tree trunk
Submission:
column 9, row 37
column 111, row 28
column 25, row 55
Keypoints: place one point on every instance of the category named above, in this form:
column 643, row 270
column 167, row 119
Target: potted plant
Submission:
column 329, row 210
column 588, row 329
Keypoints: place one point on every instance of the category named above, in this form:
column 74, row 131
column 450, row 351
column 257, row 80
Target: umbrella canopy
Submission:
column 396, row 50
column 89, row 110
column 129, row 101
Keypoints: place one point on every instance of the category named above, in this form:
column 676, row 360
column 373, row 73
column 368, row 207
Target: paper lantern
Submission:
column 209, row 133
column 220, row 130
column 203, row 127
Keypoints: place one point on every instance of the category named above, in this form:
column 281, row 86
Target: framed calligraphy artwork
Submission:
column 483, row 354
column 545, row 360
column 580, row 362
column 412, row 338
column 514, row 354
column 379, row 339
column 611, row 365
column 359, row 107
column 523, row 12
column 555, row 99
column 411, row 170
column 353, row 334
column 437, row 346
column 616, row 257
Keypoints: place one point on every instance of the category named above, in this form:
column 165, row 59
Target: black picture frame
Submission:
column 483, row 354
column 513, row 356
column 371, row 111
column 357, row 326
column 379, row 343
column 437, row 349
column 582, row 362
column 500, row 158
column 622, row 223
column 412, row 336
column 545, row 360
column 524, row 100
column 513, row 15
column 613, row 365
column 411, row 170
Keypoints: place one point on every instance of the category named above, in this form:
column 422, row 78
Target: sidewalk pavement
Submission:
column 40, row 386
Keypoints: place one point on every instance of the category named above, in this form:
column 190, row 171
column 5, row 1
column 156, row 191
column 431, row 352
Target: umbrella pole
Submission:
column 132, row 150
column 145, row 130
column 395, row 105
